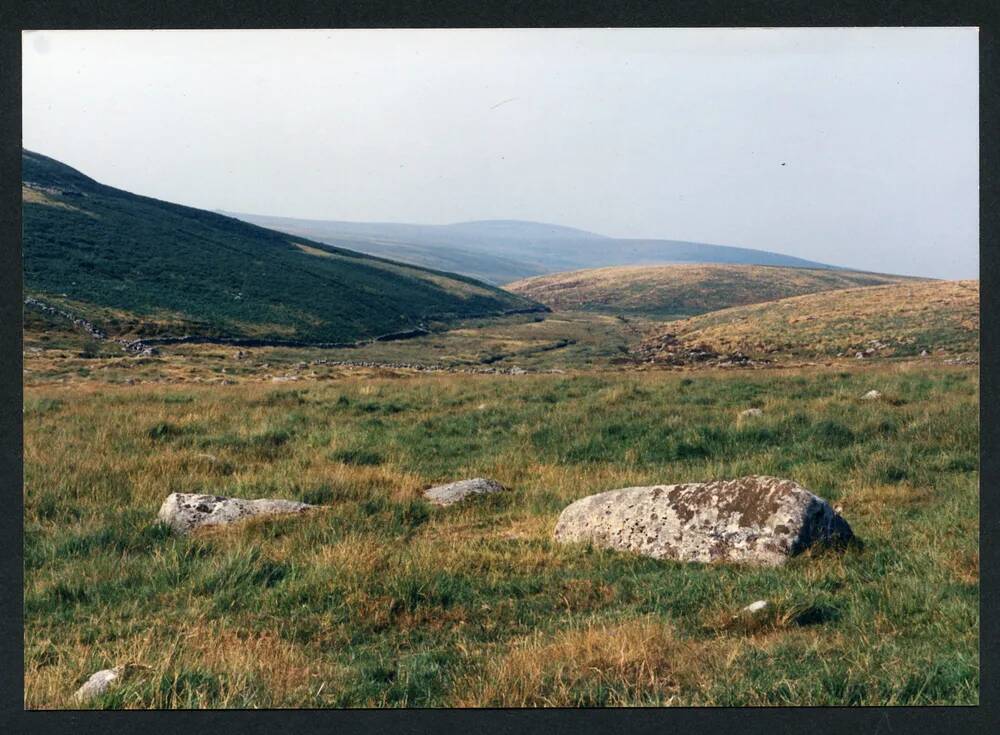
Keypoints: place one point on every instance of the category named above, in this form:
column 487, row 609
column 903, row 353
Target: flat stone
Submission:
column 184, row 512
column 753, row 520
column 872, row 395
column 751, row 413
column 454, row 492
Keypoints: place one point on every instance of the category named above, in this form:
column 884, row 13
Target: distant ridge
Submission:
column 503, row 251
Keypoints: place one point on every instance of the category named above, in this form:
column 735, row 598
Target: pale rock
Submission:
column 454, row 492
column 184, row 512
column 101, row 681
column 754, row 520
column 755, row 607
column 872, row 395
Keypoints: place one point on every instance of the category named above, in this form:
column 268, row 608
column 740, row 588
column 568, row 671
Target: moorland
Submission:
column 381, row 598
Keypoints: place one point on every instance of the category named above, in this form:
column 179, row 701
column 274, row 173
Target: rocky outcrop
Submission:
column 455, row 492
column 184, row 512
column 753, row 520
column 669, row 349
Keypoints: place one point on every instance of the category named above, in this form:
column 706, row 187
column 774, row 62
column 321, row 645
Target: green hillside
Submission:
column 139, row 266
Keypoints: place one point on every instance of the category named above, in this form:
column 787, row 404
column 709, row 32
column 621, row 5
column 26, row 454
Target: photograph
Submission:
column 475, row 368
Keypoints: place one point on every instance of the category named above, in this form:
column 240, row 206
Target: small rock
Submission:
column 924, row 353
column 859, row 355
column 755, row 607
column 750, row 413
column 872, row 395
column 454, row 492
column 184, row 512
column 102, row 680
column 284, row 378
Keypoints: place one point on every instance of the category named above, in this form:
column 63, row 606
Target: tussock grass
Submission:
column 901, row 319
column 384, row 600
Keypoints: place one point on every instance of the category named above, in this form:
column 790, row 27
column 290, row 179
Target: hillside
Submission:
column 672, row 291
column 903, row 319
column 502, row 251
column 140, row 266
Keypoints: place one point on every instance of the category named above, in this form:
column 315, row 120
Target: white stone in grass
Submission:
column 184, row 512
column 454, row 492
column 872, row 395
column 751, row 413
column 756, row 607
column 101, row 681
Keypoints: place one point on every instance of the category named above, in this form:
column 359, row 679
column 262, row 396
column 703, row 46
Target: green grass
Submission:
column 136, row 265
column 384, row 600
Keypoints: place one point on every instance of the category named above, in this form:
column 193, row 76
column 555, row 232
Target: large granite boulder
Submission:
column 184, row 512
column 454, row 492
column 753, row 520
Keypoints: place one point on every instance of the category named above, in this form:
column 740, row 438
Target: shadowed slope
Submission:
column 136, row 265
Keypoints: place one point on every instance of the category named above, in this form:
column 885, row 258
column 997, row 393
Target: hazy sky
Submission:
column 856, row 147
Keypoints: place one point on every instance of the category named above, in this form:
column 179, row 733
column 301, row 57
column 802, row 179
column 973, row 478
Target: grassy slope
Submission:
column 141, row 265
column 383, row 600
column 683, row 290
column 939, row 316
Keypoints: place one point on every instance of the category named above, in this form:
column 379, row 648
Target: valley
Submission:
column 352, row 383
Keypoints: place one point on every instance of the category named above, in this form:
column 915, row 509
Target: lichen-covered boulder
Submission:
column 753, row 520
column 454, row 492
column 184, row 512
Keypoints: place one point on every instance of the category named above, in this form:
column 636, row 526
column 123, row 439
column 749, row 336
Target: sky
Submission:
column 854, row 147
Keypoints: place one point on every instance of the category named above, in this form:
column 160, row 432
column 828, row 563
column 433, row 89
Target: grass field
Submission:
column 383, row 600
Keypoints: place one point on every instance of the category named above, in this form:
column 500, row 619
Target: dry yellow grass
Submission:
column 899, row 319
column 37, row 196
column 684, row 289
